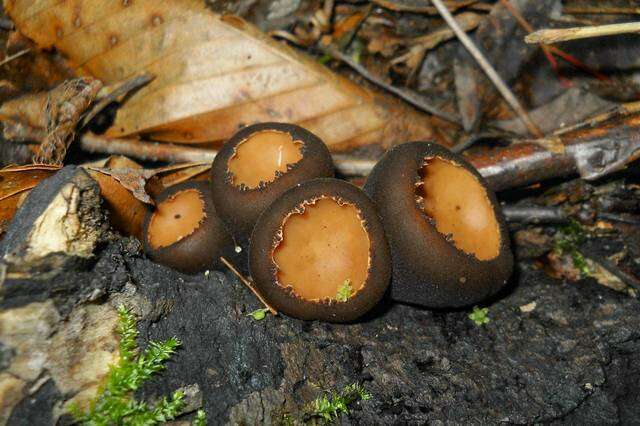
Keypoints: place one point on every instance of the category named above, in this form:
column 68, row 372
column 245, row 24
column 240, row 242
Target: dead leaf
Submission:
column 126, row 212
column 213, row 74
column 49, row 117
column 128, row 189
column 15, row 183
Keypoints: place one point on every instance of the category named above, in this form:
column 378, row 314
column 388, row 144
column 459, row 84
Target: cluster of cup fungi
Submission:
column 425, row 229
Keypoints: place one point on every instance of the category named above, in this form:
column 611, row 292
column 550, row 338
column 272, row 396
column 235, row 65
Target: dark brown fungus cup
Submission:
column 258, row 164
column 184, row 232
column 320, row 252
column 448, row 238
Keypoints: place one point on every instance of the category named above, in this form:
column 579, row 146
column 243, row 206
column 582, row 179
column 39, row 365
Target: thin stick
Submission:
column 548, row 36
column 15, row 56
column 487, row 68
column 147, row 151
column 248, row 284
column 600, row 10
column 405, row 95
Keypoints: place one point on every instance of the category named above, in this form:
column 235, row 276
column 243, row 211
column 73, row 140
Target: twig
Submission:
column 406, row 95
column 534, row 214
column 487, row 68
column 248, row 283
column 600, row 10
column 147, row 151
column 15, row 56
column 409, row 7
column 548, row 36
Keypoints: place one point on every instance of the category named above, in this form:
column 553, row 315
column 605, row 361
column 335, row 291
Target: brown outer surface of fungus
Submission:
column 268, row 234
column 428, row 268
column 200, row 244
column 240, row 206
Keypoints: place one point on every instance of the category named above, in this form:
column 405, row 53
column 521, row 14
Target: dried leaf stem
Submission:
column 548, row 36
column 249, row 284
column 487, row 68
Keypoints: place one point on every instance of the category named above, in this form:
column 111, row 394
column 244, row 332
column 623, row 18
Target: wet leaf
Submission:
column 213, row 73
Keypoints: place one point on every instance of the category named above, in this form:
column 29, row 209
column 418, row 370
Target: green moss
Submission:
column 345, row 291
column 114, row 404
column 330, row 405
column 200, row 419
column 479, row 316
column 568, row 239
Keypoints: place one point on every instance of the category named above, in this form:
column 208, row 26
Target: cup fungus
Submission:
column 448, row 238
column 258, row 164
column 184, row 231
column 320, row 252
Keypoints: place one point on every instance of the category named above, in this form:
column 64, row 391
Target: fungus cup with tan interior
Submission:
column 449, row 241
column 320, row 252
column 184, row 231
column 257, row 165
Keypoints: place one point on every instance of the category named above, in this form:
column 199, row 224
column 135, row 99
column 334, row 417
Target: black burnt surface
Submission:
column 575, row 358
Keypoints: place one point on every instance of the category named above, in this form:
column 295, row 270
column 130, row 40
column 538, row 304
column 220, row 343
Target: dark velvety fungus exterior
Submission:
column 449, row 241
column 320, row 252
column 257, row 165
column 184, row 232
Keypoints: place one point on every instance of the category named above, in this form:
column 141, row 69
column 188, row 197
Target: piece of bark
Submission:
column 61, row 219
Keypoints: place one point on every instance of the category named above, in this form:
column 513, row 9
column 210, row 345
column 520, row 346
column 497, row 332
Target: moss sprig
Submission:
column 568, row 240
column 331, row 404
column 114, row 403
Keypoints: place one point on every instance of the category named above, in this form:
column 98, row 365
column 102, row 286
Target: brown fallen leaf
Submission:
column 213, row 73
column 129, row 190
column 15, row 183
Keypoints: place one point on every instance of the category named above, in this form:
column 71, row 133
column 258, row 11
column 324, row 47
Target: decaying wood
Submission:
column 487, row 68
column 548, row 36
column 212, row 73
column 61, row 219
column 593, row 149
